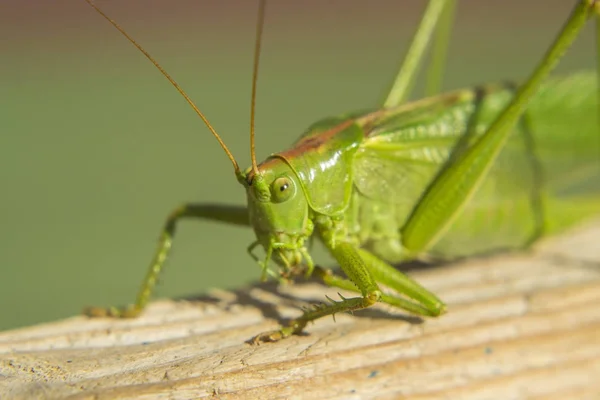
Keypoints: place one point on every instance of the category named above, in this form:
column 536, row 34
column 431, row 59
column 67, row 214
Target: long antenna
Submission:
column 175, row 84
column 259, row 30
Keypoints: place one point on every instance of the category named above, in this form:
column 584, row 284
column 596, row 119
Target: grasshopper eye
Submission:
column 282, row 189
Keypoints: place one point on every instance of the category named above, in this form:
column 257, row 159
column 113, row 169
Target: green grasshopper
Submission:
column 462, row 173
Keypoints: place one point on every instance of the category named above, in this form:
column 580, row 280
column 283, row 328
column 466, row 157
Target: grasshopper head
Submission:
column 279, row 211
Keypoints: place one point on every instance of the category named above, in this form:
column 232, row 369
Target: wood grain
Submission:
column 520, row 326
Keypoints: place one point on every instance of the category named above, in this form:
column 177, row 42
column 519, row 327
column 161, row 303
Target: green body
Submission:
column 369, row 171
column 468, row 172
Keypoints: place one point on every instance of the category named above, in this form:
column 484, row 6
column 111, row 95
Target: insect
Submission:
column 492, row 167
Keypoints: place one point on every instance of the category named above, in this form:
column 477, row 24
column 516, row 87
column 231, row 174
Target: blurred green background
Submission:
column 96, row 148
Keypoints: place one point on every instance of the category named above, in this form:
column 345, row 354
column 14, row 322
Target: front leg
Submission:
column 364, row 270
column 235, row 215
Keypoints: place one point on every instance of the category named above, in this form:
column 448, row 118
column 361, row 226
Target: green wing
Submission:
column 549, row 167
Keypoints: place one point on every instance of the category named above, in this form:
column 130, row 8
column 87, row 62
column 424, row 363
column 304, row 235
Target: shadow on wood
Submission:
column 520, row 326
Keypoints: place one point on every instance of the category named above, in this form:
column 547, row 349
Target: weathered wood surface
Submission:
column 520, row 326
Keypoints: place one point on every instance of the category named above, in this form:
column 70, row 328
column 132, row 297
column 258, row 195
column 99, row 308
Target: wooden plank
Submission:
column 520, row 326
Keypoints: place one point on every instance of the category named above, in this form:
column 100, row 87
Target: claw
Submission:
column 131, row 311
column 96, row 312
column 272, row 336
column 275, row 336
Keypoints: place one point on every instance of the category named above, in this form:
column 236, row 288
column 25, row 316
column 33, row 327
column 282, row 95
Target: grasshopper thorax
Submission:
column 278, row 210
